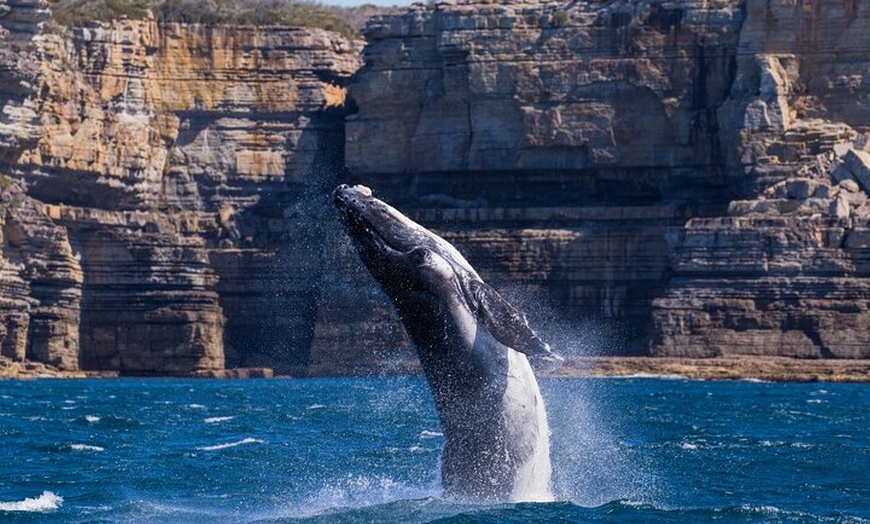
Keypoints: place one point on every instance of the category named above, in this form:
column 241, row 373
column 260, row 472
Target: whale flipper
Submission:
column 506, row 324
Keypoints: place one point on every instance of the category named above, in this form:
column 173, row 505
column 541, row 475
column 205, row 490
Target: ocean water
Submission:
column 366, row 450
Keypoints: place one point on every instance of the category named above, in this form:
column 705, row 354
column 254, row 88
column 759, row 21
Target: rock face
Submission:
column 686, row 178
column 689, row 175
column 170, row 187
column 529, row 86
column 555, row 144
column 786, row 272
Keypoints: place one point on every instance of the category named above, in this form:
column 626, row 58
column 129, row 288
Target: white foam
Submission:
column 44, row 503
column 196, row 406
column 316, row 406
column 430, row 434
column 213, row 420
column 231, row 444
column 93, row 419
column 85, row 447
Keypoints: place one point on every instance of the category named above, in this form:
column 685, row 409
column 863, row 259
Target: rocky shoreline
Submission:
column 772, row 369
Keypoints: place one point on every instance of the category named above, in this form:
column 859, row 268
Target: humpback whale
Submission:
column 474, row 348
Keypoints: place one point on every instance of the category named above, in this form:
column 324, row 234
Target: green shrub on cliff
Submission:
column 73, row 13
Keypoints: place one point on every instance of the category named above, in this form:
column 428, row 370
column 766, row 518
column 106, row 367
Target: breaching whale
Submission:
column 473, row 347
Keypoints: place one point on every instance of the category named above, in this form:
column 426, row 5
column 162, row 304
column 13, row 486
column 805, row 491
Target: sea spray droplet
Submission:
column 46, row 502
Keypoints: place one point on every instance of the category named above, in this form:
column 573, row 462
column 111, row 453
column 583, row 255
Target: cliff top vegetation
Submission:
column 343, row 20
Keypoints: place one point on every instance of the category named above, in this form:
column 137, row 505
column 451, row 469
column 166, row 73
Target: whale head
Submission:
column 422, row 272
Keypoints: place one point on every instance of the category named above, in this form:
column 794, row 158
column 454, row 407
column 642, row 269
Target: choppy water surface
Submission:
column 366, row 450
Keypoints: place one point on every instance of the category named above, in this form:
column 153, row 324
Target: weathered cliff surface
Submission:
column 685, row 174
column 786, row 273
column 169, row 183
column 684, row 178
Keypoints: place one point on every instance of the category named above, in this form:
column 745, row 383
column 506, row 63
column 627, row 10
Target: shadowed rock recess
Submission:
column 683, row 179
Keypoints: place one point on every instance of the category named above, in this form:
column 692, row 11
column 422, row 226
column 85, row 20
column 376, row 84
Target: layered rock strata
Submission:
column 685, row 178
column 183, row 169
column 555, row 144
column 686, row 175
column 786, row 273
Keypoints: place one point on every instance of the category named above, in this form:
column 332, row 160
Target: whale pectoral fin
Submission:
column 506, row 324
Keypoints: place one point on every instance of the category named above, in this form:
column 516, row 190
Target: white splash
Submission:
column 44, row 503
column 356, row 492
column 231, row 444
column 93, row 419
column 430, row 434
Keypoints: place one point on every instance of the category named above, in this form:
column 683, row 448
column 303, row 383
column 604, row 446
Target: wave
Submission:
column 631, row 510
column 93, row 419
column 656, row 376
column 213, row 420
column 232, row 444
column 363, row 498
column 84, row 447
column 430, row 434
column 44, row 503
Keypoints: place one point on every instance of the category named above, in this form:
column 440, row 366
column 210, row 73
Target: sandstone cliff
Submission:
column 163, row 192
column 684, row 178
column 786, row 273
column 676, row 178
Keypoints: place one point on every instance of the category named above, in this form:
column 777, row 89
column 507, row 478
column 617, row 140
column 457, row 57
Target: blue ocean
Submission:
column 366, row 450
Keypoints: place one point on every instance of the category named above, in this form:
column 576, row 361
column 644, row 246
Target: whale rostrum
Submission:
column 474, row 348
